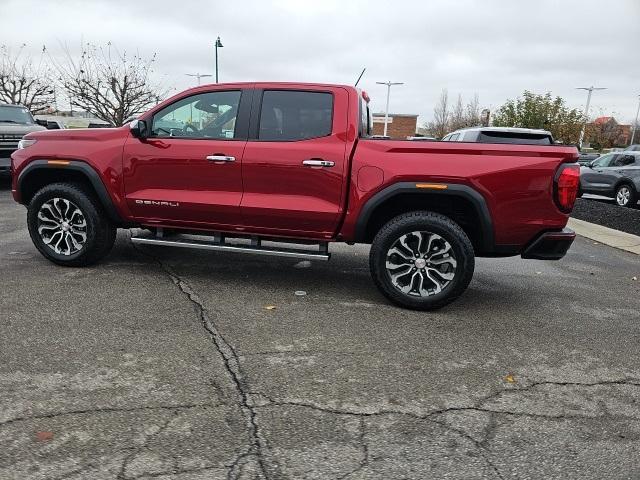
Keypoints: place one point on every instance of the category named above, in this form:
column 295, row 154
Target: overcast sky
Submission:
column 497, row 48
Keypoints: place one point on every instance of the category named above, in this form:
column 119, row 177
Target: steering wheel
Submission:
column 190, row 126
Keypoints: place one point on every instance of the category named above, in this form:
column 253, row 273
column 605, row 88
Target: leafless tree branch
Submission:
column 107, row 83
column 22, row 82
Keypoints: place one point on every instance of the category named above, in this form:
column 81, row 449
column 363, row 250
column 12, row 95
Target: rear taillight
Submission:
column 566, row 186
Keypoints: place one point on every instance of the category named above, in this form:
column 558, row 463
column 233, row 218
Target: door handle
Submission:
column 318, row 162
column 219, row 157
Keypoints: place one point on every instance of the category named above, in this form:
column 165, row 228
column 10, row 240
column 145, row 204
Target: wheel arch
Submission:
column 40, row 173
column 460, row 202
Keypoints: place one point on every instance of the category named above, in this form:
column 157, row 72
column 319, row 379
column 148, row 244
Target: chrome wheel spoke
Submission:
column 82, row 235
column 445, row 276
column 403, row 242
column 56, row 206
column 409, row 286
column 43, row 228
column 438, row 286
column 48, row 208
column 400, row 253
column 396, row 275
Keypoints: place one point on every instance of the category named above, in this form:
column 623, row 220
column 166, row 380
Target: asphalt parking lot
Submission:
column 161, row 363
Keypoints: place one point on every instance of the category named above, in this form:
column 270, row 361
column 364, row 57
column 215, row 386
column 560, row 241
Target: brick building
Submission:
column 606, row 132
column 399, row 126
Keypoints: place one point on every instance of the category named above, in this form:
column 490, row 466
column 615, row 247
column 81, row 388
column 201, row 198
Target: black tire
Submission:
column 100, row 232
column 416, row 224
column 632, row 198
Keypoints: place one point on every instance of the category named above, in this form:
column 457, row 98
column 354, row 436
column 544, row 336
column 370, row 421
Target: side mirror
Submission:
column 42, row 123
column 592, row 163
column 139, row 129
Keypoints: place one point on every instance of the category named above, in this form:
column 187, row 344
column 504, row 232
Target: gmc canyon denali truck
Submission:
column 287, row 168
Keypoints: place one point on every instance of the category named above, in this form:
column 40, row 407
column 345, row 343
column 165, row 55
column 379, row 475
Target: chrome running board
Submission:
column 220, row 244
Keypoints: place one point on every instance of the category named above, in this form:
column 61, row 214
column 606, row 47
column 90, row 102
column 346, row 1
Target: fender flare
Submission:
column 451, row 190
column 78, row 166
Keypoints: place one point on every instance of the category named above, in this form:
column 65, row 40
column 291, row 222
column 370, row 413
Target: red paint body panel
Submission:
column 268, row 191
column 516, row 181
column 281, row 195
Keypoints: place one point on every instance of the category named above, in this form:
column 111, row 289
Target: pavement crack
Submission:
column 364, row 461
column 231, row 362
column 90, row 411
column 122, row 474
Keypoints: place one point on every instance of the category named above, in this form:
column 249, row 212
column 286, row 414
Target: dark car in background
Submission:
column 524, row 136
column 615, row 175
column 15, row 122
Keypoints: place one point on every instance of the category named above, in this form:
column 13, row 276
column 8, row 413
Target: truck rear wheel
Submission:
column 68, row 225
column 421, row 260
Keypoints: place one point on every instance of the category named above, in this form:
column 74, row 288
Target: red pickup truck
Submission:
column 285, row 169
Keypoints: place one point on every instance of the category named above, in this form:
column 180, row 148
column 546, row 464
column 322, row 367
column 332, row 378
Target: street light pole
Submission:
column 386, row 111
column 198, row 76
column 635, row 124
column 218, row 44
column 586, row 109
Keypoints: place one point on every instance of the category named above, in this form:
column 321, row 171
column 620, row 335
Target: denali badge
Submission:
column 158, row 203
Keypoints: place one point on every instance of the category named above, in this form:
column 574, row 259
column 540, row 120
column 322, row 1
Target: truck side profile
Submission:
column 291, row 164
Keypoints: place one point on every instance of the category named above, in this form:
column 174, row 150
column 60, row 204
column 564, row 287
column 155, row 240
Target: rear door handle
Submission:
column 317, row 162
column 219, row 157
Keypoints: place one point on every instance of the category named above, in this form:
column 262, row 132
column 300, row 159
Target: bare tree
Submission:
column 23, row 81
column 447, row 120
column 108, row 83
column 457, row 119
column 473, row 114
column 439, row 127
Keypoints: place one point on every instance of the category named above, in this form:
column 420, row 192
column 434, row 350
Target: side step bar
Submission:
column 255, row 247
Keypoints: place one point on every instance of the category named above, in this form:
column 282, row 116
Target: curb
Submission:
column 606, row 236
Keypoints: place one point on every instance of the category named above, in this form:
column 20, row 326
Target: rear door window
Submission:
column 290, row 115
column 624, row 161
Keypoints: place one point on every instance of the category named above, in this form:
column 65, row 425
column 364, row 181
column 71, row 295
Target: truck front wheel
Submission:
column 421, row 260
column 68, row 225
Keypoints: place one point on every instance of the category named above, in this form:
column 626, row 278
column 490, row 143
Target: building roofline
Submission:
column 409, row 115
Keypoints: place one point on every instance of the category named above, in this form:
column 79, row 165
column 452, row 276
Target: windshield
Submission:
column 18, row 115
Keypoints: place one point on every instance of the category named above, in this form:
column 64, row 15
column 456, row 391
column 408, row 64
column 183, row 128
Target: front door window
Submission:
column 209, row 115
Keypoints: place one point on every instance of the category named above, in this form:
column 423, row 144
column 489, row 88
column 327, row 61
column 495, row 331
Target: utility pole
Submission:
column 386, row 111
column 198, row 76
column 586, row 109
column 635, row 124
column 218, row 44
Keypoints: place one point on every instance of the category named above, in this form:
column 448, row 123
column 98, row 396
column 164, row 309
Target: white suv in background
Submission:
column 527, row 136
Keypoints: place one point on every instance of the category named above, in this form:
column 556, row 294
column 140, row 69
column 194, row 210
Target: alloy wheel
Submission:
column 421, row 264
column 62, row 226
column 623, row 196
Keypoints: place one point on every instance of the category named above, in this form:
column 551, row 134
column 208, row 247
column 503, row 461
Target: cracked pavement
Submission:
column 163, row 363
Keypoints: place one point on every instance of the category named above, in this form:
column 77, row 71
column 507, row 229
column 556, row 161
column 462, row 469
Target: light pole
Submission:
column 635, row 124
column 386, row 111
column 198, row 76
column 586, row 109
column 218, row 44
